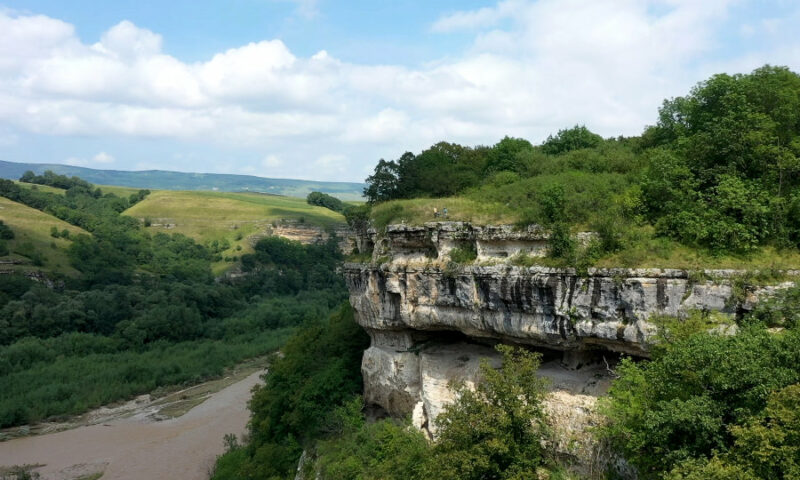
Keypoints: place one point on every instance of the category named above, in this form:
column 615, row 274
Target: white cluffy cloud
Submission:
column 533, row 67
column 102, row 159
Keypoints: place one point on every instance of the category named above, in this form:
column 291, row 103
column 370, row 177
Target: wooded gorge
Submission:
column 145, row 311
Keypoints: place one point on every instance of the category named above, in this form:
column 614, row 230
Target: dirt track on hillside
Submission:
column 137, row 447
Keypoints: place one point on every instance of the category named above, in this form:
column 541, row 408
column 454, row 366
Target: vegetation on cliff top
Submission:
column 719, row 173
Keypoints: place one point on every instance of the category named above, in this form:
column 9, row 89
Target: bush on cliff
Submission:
column 702, row 396
column 497, row 430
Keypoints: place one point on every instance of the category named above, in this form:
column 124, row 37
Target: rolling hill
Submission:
column 166, row 180
column 233, row 220
column 33, row 248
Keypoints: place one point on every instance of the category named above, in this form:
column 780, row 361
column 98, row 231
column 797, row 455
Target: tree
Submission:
column 681, row 406
column 505, row 154
column 497, row 430
column 324, row 200
column 727, row 172
column 569, row 139
column 382, row 185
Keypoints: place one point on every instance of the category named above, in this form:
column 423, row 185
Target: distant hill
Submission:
column 33, row 247
column 164, row 180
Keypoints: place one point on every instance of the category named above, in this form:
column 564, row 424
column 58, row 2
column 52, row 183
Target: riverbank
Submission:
column 176, row 436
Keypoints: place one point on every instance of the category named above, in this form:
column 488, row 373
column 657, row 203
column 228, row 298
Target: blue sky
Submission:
column 321, row 90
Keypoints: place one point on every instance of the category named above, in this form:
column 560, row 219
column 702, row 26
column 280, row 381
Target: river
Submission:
column 136, row 447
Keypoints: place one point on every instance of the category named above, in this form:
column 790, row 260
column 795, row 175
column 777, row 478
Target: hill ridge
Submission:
column 157, row 179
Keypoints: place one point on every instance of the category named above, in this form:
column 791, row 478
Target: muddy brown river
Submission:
column 137, row 447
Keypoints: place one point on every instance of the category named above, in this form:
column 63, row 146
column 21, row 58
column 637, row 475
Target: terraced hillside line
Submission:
column 138, row 447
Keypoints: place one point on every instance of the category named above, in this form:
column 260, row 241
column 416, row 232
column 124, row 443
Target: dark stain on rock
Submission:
column 661, row 293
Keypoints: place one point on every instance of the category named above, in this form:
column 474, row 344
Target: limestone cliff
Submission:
column 430, row 320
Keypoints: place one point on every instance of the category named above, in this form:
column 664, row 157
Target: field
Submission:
column 118, row 191
column 32, row 236
column 43, row 188
column 235, row 219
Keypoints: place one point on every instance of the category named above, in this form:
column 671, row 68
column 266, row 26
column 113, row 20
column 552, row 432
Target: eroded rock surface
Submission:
column 431, row 321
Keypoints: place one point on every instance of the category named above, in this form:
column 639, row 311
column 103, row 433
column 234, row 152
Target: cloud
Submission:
column 271, row 161
column 102, row 159
column 532, row 67
column 475, row 19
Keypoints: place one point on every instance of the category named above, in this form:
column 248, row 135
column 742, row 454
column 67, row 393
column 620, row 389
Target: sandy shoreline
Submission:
column 137, row 447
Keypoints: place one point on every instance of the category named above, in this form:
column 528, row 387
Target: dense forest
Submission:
column 145, row 310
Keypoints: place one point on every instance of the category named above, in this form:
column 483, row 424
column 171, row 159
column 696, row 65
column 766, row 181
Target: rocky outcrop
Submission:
column 539, row 306
column 311, row 234
column 431, row 320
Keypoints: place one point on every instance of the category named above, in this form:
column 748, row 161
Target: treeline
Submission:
column 139, row 297
column 324, row 200
column 719, row 170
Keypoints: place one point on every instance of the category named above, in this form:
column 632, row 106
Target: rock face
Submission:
column 431, row 321
column 311, row 234
column 545, row 307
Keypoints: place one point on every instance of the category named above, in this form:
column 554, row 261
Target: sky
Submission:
column 323, row 89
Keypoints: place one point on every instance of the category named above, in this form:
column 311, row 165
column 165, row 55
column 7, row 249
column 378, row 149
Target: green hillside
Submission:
column 714, row 183
column 164, row 180
column 234, row 220
column 33, row 248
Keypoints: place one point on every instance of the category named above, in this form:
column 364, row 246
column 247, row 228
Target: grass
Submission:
column 644, row 250
column 118, row 191
column 420, row 210
column 238, row 218
column 41, row 188
column 32, row 235
column 123, row 192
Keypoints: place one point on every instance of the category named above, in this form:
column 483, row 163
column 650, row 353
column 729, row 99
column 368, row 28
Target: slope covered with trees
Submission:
column 144, row 310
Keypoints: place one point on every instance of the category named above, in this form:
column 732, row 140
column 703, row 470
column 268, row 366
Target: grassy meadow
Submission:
column 235, row 218
column 32, row 237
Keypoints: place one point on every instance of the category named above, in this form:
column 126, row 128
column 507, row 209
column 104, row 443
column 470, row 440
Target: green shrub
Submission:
column 681, row 406
column 464, row 254
column 497, row 430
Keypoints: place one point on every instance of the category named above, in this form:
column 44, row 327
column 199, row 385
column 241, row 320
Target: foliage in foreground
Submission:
column 712, row 406
column 496, row 431
column 319, row 370
column 308, row 403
